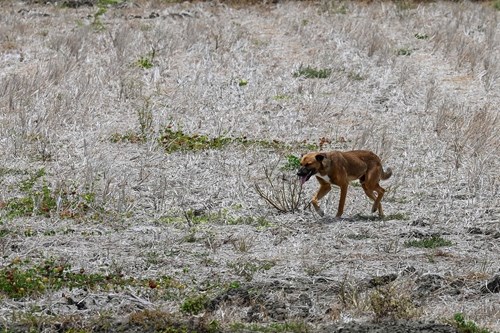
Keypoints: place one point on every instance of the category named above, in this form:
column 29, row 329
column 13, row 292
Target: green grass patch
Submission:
column 496, row 4
column 40, row 199
column 312, row 73
column 175, row 140
column 18, row 281
column 403, row 51
column 223, row 216
column 466, row 326
column 429, row 242
column 420, row 35
column 292, row 163
column 145, row 62
column 195, row 304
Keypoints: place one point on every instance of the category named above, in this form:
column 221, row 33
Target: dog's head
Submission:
column 311, row 164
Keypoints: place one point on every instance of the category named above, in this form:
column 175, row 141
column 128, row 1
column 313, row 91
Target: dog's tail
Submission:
column 386, row 174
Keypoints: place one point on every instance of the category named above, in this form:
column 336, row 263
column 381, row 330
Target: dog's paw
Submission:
column 320, row 212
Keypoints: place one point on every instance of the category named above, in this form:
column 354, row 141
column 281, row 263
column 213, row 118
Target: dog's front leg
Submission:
column 343, row 195
column 324, row 188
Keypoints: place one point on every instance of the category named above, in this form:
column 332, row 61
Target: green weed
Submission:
column 496, row 4
column 18, row 281
column 312, row 73
column 102, row 8
column 97, row 23
column 194, row 305
column 38, row 198
column 292, row 163
column 420, row 35
column 403, row 51
column 429, row 242
column 146, row 62
column 175, row 140
column 466, row 326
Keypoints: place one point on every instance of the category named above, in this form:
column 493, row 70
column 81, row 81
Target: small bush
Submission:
column 388, row 302
column 280, row 192
column 194, row 305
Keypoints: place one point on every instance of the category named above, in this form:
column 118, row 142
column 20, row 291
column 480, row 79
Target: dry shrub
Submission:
column 392, row 301
column 280, row 191
column 388, row 301
column 351, row 295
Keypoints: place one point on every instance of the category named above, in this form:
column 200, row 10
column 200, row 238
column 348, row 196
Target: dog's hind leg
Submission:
column 370, row 193
column 378, row 202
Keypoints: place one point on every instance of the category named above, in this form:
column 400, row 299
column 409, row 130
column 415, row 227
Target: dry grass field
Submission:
column 148, row 152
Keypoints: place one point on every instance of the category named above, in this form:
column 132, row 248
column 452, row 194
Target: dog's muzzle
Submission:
column 304, row 174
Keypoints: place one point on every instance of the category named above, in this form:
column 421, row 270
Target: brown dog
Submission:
column 339, row 168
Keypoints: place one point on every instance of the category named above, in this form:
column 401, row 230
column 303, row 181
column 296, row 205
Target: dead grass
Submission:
column 154, row 121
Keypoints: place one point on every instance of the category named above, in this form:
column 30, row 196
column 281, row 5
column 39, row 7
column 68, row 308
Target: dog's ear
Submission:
column 320, row 157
